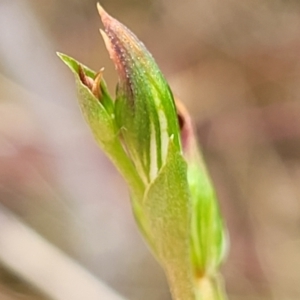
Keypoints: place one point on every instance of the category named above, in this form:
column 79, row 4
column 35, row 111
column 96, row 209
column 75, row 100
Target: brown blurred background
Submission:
column 236, row 66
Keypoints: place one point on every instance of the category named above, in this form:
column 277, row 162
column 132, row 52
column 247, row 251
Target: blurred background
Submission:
column 236, row 66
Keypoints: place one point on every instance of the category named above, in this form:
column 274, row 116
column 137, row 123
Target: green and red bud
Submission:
column 152, row 143
column 208, row 238
column 144, row 108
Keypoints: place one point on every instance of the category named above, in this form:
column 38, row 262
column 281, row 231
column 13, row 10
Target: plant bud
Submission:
column 145, row 110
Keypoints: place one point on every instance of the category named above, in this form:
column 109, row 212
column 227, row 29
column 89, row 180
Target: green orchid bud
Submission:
column 172, row 197
column 208, row 238
column 145, row 110
column 97, row 108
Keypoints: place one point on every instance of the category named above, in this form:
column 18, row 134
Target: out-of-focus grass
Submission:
column 12, row 288
column 236, row 66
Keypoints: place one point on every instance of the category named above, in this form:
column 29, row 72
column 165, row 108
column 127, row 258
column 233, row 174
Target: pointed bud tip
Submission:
column 185, row 124
column 103, row 14
column 108, row 45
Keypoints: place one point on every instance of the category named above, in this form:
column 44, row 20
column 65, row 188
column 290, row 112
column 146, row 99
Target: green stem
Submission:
column 180, row 284
column 210, row 288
